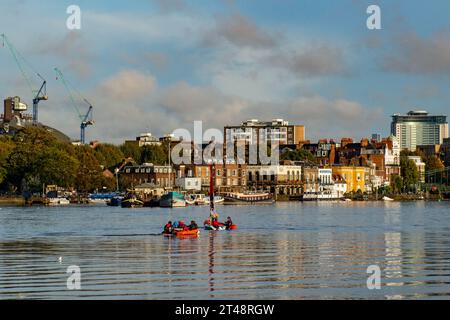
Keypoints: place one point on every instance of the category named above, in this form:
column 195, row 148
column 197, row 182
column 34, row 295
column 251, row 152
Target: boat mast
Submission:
column 212, row 176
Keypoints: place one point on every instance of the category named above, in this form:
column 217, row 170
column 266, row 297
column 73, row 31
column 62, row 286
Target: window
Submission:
column 218, row 172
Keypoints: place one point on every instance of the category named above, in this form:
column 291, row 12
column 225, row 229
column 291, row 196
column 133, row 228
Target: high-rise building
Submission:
column 418, row 128
column 257, row 133
column 254, row 131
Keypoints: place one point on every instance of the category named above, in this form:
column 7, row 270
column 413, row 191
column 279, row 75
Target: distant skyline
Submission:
column 158, row 65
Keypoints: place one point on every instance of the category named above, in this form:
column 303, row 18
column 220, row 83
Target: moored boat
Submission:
column 172, row 200
column 101, row 198
column 249, row 198
column 201, row 199
column 59, row 201
column 115, row 201
column 131, row 200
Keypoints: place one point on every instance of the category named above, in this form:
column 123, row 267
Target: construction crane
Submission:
column 86, row 119
column 38, row 94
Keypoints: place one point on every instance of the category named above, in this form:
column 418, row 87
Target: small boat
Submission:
column 59, row 201
column 387, row 199
column 201, row 199
column 115, row 201
column 217, row 200
column 208, row 225
column 131, row 200
column 172, row 200
column 183, row 233
column 249, row 198
column 101, row 198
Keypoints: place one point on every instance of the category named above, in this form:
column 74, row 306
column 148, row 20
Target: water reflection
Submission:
column 324, row 254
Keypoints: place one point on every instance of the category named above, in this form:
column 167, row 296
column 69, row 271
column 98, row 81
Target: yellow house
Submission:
column 354, row 176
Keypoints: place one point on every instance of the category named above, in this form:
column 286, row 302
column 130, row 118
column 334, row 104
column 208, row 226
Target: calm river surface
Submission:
column 285, row 251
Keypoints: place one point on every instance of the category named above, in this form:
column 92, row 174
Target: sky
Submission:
column 159, row 65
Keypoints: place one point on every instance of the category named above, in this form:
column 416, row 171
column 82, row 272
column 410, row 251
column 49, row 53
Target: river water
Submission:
column 284, row 251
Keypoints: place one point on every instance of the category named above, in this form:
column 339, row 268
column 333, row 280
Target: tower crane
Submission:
column 86, row 119
column 38, row 94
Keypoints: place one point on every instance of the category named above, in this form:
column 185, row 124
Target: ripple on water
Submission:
column 287, row 251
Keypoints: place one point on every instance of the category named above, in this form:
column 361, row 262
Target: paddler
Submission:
column 228, row 223
column 193, row 225
column 168, row 228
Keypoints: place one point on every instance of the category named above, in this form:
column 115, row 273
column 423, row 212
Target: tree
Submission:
column 108, row 155
column 410, row 173
column 39, row 158
column 153, row 154
column 89, row 175
column 434, row 163
column 131, row 150
column 298, row 155
column 396, row 183
column 6, row 147
column 57, row 167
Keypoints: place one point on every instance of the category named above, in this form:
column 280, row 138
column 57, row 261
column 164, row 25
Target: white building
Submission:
column 418, row 128
column 420, row 167
column 189, row 183
column 320, row 184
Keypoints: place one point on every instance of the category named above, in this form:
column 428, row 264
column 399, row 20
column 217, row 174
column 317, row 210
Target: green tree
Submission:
column 298, row 155
column 108, row 155
column 89, row 176
column 6, row 147
column 38, row 158
column 434, row 163
column 410, row 173
column 396, row 183
column 56, row 167
column 131, row 150
column 153, row 154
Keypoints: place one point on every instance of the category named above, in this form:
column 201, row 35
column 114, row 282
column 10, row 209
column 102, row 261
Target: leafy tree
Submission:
column 410, row 173
column 57, row 167
column 6, row 147
column 434, row 163
column 108, row 155
column 396, row 183
column 89, row 176
column 153, row 154
column 298, row 155
column 131, row 150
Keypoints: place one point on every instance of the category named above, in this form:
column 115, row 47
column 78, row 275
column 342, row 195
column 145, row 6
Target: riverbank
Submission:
column 12, row 201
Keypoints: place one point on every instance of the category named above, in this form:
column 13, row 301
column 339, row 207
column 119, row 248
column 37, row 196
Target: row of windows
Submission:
column 148, row 170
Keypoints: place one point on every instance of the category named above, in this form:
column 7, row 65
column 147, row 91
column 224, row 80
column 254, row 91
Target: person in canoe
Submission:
column 193, row 225
column 168, row 228
column 182, row 225
column 228, row 223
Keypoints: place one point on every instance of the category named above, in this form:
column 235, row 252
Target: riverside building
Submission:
column 418, row 128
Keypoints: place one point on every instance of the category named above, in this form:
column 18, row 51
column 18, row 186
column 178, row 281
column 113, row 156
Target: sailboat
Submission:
column 212, row 209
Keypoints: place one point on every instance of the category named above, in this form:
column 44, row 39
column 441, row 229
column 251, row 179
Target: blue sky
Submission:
column 158, row 65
